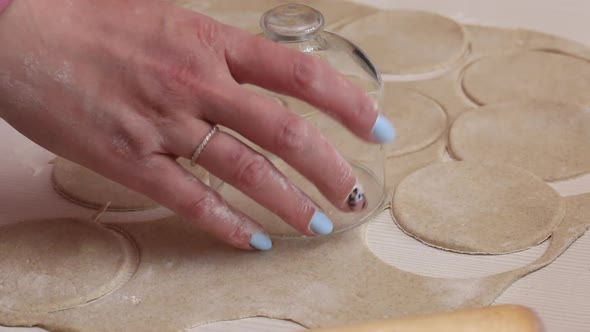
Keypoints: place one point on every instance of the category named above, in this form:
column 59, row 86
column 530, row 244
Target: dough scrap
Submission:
column 476, row 208
column 403, row 42
column 87, row 188
column 419, row 120
column 528, row 75
column 550, row 139
column 51, row 265
column 246, row 14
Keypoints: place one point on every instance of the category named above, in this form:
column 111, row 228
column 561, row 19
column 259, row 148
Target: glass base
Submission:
column 374, row 191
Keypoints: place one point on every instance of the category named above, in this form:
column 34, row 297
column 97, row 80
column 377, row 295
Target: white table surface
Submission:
column 560, row 293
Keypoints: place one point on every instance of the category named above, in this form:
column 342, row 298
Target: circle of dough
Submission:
column 49, row 265
column 528, row 75
column 87, row 188
column 419, row 120
column 404, row 42
column 550, row 139
column 476, row 208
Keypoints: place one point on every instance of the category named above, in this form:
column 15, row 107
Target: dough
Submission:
column 51, row 265
column 476, row 208
column 246, row 14
column 550, row 139
column 275, row 226
column 187, row 279
column 397, row 168
column 405, row 42
column 87, row 188
column 528, row 75
column 419, row 120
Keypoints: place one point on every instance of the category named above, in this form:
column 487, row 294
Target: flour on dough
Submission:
column 87, row 188
column 528, row 75
column 397, row 168
column 186, row 279
column 550, row 139
column 51, row 265
column 405, row 42
column 419, row 120
column 476, row 207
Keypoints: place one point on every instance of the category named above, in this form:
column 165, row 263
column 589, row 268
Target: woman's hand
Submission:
column 123, row 87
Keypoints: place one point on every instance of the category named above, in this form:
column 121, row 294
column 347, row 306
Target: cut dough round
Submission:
column 550, row 139
column 49, row 265
column 476, row 208
column 246, row 14
column 406, row 42
column 87, row 188
column 528, row 75
column 419, row 120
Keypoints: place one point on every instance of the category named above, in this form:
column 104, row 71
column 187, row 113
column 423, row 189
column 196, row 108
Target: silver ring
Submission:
column 203, row 144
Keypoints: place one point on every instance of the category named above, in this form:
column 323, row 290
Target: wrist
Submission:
column 4, row 4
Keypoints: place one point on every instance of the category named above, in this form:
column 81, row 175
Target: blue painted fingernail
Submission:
column 383, row 130
column 261, row 242
column 321, row 224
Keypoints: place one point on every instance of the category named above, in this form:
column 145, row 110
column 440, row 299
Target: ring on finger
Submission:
column 203, row 144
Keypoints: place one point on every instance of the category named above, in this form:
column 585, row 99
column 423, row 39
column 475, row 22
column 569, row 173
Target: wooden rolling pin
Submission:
column 501, row 318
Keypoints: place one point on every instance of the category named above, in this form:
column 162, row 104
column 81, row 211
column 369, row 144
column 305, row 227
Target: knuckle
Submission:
column 303, row 207
column 292, row 134
column 208, row 32
column 177, row 74
column 198, row 208
column 344, row 173
column 133, row 146
column 253, row 171
column 305, row 68
column 237, row 234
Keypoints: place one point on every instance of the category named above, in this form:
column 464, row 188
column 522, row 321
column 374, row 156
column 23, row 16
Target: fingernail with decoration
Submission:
column 356, row 200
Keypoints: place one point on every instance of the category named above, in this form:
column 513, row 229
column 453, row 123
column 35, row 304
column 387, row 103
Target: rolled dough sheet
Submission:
column 476, row 207
column 186, row 279
column 550, row 139
column 526, row 75
column 405, row 42
column 87, row 188
column 52, row 265
column 246, row 14
column 419, row 120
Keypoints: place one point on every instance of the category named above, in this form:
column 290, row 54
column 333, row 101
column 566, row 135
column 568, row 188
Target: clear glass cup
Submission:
column 301, row 27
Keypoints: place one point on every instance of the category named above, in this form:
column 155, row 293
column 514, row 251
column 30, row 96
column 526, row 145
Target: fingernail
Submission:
column 383, row 130
column 356, row 200
column 261, row 242
column 320, row 224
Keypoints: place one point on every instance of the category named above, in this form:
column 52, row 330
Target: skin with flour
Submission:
column 125, row 87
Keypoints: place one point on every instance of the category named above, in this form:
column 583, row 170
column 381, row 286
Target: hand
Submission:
column 124, row 87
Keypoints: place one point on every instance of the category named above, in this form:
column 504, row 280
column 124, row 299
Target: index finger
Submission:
column 275, row 67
